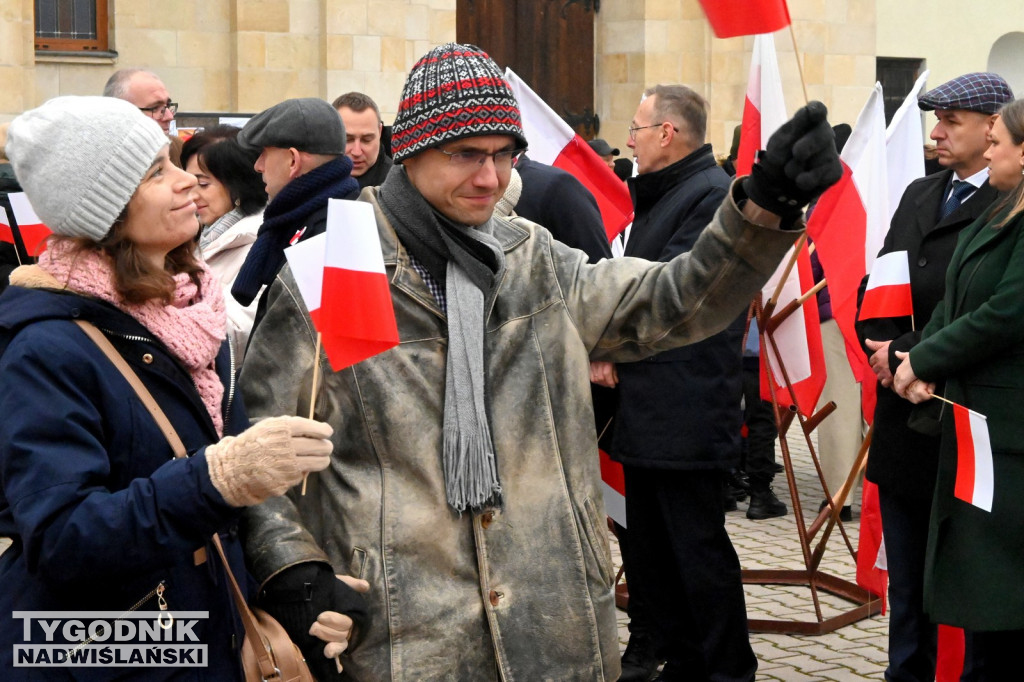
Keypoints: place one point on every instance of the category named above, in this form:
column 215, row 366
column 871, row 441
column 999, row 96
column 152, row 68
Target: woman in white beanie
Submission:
column 101, row 515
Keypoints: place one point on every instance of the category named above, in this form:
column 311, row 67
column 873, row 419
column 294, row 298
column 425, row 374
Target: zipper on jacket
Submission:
column 127, row 337
column 165, row 620
column 231, row 384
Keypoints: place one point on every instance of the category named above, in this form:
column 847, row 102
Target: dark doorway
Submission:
column 548, row 43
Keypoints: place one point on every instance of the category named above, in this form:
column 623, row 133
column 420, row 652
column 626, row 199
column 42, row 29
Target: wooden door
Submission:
column 548, row 43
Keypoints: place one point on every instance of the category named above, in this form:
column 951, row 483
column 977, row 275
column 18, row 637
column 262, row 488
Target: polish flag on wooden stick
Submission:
column 888, row 288
column 341, row 277
column 974, row 477
column 33, row 231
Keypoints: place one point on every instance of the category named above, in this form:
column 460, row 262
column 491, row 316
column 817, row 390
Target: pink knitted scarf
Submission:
column 192, row 328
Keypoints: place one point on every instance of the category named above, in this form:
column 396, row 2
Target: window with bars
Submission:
column 71, row 25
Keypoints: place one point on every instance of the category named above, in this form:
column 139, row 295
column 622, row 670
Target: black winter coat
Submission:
column 902, row 460
column 680, row 409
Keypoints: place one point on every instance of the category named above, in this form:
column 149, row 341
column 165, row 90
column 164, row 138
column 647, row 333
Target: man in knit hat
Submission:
column 301, row 146
column 465, row 484
column 903, row 461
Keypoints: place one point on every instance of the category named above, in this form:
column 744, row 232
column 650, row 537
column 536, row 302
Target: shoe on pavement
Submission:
column 639, row 662
column 845, row 514
column 765, row 505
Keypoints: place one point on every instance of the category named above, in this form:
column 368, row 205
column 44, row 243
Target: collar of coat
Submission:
column 649, row 187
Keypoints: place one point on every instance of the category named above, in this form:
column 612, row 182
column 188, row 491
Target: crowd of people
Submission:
column 453, row 525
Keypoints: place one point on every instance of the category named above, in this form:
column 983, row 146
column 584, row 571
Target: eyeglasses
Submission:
column 471, row 158
column 161, row 109
column 632, row 130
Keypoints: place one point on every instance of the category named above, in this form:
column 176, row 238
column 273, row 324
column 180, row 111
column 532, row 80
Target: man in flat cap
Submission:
column 465, row 484
column 605, row 151
column 302, row 160
column 903, row 459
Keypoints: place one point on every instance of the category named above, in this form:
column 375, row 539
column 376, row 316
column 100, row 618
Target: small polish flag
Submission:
column 33, row 231
column 613, row 485
column 6, row 232
column 888, row 289
column 974, row 478
column 553, row 142
column 341, row 277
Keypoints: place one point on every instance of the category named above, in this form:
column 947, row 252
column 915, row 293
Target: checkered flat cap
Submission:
column 982, row 92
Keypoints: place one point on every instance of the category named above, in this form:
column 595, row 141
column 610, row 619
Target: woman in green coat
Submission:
column 972, row 353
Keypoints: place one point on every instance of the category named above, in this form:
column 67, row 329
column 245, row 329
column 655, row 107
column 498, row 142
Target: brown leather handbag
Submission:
column 268, row 653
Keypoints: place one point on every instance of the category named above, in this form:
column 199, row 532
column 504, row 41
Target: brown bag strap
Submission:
column 252, row 632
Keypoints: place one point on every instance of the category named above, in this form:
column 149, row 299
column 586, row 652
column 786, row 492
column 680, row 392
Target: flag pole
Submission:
column 789, row 268
column 799, row 66
column 312, row 397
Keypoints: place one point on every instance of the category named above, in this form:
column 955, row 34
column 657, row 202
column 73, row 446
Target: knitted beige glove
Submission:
column 268, row 458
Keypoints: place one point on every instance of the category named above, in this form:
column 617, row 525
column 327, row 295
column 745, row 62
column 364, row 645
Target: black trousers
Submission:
column 685, row 570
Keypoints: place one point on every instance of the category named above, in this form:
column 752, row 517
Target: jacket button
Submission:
column 922, row 261
column 485, row 519
column 148, row 358
column 495, row 597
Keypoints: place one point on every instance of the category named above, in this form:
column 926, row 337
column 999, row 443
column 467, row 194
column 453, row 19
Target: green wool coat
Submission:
column 973, row 347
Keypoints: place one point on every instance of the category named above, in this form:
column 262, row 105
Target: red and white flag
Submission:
column 797, row 340
column 730, row 18
column 6, row 232
column 764, row 108
column 974, row 478
column 872, row 571
column 341, row 277
column 888, row 289
column 613, row 485
column 33, row 231
column 553, row 142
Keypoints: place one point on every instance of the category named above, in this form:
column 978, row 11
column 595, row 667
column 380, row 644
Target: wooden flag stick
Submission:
column 312, row 397
column 789, row 268
column 811, row 292
column 799, row 66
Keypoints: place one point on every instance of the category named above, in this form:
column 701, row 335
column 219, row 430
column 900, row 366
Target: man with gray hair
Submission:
column 677, row 428
column 465, row 484
column 145, row 90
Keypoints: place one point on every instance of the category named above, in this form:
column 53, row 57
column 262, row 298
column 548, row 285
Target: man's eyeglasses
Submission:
column 159, row 110
column 632, row 130
column 471, row 158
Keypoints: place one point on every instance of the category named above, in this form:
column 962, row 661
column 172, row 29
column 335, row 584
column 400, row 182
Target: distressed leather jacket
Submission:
column 523, row 592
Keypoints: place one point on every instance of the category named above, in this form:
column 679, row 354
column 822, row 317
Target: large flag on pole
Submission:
column 553, row 142
column 764, row 108
column 33, row 231
column 342, row 280
column 797, row 340
column 730, row 18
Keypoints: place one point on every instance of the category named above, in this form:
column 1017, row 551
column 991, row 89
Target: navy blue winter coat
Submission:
column 98, row 509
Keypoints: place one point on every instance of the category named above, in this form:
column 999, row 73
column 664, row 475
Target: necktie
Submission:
column 961, row 189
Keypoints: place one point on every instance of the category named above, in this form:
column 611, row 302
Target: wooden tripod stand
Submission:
column 864, row 603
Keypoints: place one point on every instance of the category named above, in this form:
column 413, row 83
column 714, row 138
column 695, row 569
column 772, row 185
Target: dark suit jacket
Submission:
column 680, row 409
column 903, row 460
column 975, row 342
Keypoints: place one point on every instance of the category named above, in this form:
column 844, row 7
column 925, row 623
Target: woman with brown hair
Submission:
column 102, row 516
column 972, row 353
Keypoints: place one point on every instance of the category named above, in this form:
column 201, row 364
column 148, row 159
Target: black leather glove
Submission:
column 300, row 593
column 800, row 163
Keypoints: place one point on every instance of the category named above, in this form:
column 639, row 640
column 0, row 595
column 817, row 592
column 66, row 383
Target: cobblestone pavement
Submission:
column 849, row 654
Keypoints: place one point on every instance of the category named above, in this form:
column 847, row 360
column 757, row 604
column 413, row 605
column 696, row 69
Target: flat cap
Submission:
column 602, row 147
column 309, row 124
column 983, row 92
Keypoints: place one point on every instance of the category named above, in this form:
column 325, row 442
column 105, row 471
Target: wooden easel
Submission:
column 864, row 603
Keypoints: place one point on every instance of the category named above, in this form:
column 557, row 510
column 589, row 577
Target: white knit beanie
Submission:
column 80, row 159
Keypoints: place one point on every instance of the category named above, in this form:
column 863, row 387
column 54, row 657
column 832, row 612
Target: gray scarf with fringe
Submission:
column 468, row 262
